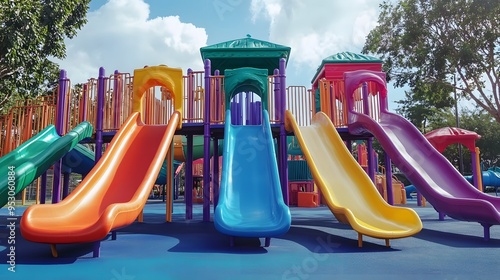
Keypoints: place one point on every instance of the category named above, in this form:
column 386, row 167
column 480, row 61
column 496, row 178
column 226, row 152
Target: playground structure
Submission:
column 141, row 114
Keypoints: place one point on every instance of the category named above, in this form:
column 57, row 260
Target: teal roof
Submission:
column 349, row 57
column 245, row 52
column 345, row 57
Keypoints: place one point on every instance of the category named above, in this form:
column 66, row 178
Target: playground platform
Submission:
column 317, row 246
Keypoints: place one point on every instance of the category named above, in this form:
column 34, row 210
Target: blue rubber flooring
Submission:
column 315, row 247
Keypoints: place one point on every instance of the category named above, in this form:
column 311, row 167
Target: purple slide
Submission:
column 431, row 173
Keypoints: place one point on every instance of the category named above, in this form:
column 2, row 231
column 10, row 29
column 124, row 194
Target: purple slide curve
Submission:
column 431, row 173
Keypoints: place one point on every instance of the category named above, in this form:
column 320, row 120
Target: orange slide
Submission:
column 112, row 195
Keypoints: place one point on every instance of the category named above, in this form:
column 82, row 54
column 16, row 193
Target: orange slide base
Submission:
column 113, row 194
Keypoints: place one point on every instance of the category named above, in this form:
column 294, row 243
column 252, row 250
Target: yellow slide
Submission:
column 348, row 191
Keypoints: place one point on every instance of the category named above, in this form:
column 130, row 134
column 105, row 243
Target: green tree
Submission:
column 483, row 124
column 441, row 44
column 31, row 33
column 420, row 110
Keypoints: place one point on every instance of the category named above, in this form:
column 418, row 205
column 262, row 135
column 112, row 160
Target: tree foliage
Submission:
column 420, row 110
column 31, row 33
column 434, row 46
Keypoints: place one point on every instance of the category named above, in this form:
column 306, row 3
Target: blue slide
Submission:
column 250, row 202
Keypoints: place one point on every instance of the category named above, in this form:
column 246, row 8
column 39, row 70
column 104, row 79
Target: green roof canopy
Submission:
column 246, row 79
column 245, row 52
column 345, row 57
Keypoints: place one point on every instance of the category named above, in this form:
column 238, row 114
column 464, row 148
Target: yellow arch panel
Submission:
column 170, row 78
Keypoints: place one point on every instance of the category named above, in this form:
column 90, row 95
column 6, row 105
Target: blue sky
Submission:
column 128, row 34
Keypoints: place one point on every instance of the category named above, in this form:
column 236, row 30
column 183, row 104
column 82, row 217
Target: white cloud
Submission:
column 121, row 36
column 317, row 29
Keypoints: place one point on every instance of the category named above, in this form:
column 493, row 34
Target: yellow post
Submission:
column 140, row 217
column 23, row 197
column 37, row 199
column 168, row 192
column 478, row 170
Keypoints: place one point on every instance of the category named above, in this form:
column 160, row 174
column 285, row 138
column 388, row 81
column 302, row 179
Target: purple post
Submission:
column 486, row 231
column 277, row 98
column 388, row 179
column 84, row 105
column 234, row 113
column 441, row 216
column 188, row 189
column 419, row 199
column 276, row 82
column 96, row 249
column 277, row 113
column 252, row 113
column 206, row 143
column 240, row 108
column 259, row 111
column 65, row 190
column 366, row 107
column 43, row 187
column 256, row 113
column 267, row 242
column 283, row 147
column 216, row 171
column 56, row 183
column 235, row 120
column 190, row 94
column 100, row 115
column 248, row 111
column 371, row 164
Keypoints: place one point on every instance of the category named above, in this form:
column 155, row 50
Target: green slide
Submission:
column 28, row 161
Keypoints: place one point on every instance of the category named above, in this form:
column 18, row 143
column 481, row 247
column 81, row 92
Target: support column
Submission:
column 65, row 191
column 56, row 179
column 206, row 145
column 99, row 114
column 371, row 164
column 188, row 186
column 43, row 187
column 282, row 138
column 388, row 179
column 215, row 171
